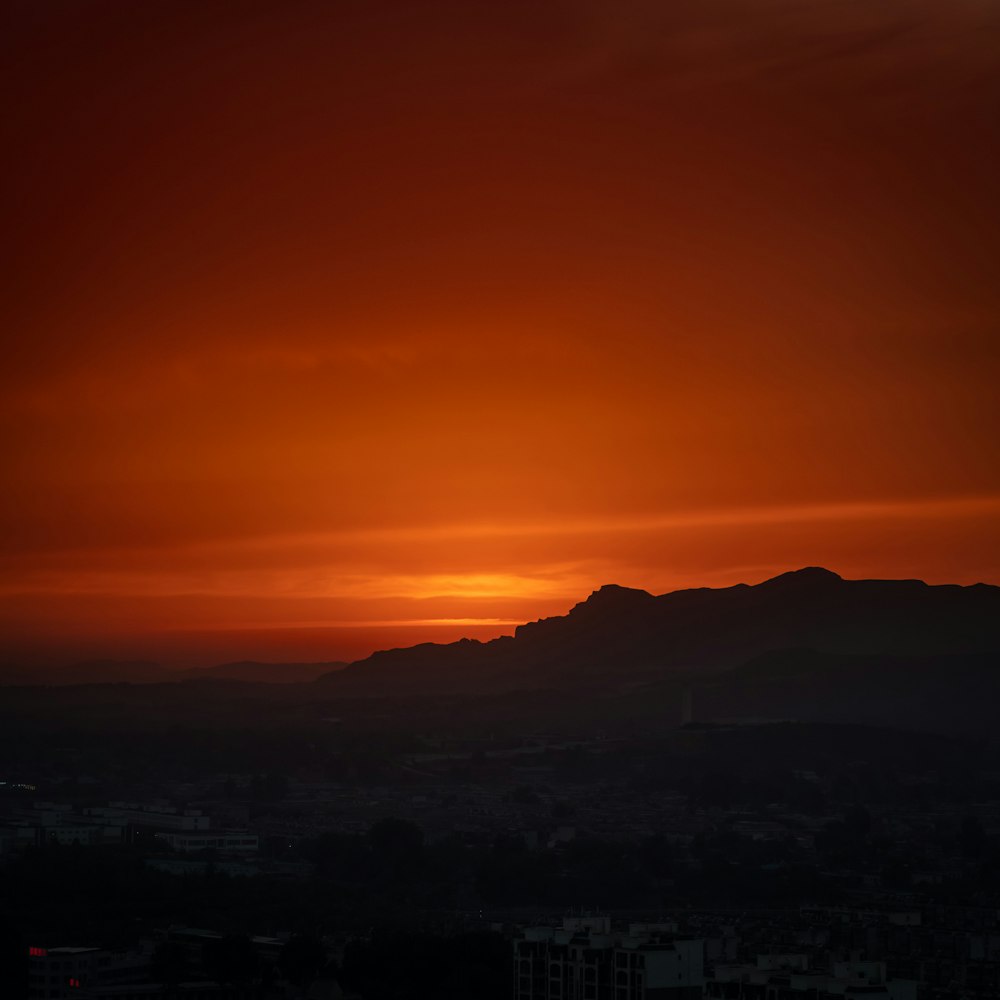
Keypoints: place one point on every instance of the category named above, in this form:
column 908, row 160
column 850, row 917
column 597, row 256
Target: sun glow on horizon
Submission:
column 484, row 314
column 366, row 624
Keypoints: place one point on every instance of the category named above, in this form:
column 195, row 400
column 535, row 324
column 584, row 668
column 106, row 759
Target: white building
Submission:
column 586, row 960
column 787, row 976
column 212, row 840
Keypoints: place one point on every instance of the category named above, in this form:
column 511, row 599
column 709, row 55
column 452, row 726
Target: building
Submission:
column 75, row 973
column 102, row 974
column 193, row 940
column 156, row 816
column 586, row 959
column 213, row 840
column 55, row 822
column 788, row 977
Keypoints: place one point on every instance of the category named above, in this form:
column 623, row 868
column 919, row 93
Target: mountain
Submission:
column 620, row 638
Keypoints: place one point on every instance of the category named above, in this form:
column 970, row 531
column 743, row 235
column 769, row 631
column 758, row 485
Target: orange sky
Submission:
column 330, row 326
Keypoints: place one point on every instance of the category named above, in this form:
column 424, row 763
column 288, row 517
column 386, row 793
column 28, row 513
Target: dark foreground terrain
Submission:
column 820, row 802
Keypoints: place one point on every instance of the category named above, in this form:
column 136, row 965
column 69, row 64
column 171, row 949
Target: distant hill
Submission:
column 955, row 692
column 88, row 672
column 806, row 646
column 142, row 672
column 619, row 638
column 265, row 673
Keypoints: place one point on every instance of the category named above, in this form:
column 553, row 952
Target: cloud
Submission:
column 378, row 564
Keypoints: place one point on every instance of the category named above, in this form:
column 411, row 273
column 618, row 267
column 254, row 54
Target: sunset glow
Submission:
column 378, row 326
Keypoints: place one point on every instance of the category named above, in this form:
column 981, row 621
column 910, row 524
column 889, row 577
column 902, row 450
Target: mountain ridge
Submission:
column 621, row 637
column 624, row 634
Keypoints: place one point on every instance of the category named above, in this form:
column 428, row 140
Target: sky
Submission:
column 330, row 326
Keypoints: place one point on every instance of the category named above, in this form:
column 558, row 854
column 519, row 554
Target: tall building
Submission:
column 586, row 959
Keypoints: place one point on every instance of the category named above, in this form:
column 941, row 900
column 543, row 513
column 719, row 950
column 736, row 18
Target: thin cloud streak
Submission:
column 164, row 573
column 415, row 623
column 874, row 510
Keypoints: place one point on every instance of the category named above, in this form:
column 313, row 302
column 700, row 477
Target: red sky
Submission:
column 331, row 326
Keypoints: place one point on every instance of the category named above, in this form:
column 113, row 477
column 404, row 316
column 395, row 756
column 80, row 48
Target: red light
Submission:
column 37, row 952
column 74, row 982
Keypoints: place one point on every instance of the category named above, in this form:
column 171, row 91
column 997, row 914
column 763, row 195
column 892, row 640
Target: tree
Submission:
column 301, row 960
column 655, row 854
column 858, row 822
column 169, row 965
column 396, row 838
column 13, row 958
column 231, row 960
column 972, row 838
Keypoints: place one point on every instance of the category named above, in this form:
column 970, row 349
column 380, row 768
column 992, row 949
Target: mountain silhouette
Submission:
column 621, row 637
